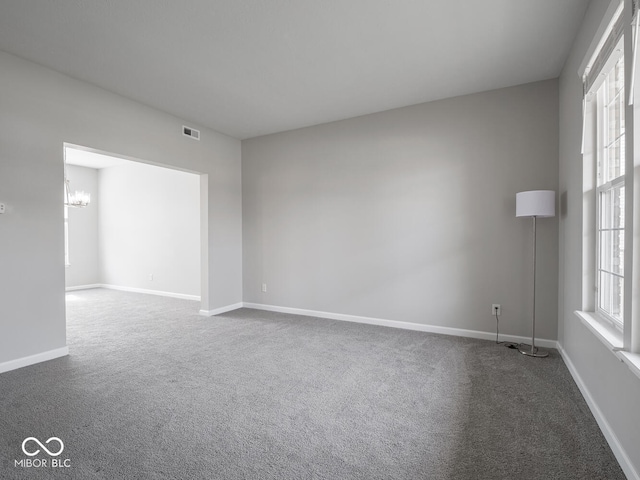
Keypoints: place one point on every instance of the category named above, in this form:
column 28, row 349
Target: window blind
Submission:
column 636, row 24
column 592, row 77
column 595, row 67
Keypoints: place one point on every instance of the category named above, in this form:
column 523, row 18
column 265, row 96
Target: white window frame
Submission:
column 601, row 104
column 623, row 342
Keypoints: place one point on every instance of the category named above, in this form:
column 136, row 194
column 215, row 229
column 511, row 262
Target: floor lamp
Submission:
column 534, row 204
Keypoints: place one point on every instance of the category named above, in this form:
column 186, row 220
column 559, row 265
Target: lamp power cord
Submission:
column 506, row 344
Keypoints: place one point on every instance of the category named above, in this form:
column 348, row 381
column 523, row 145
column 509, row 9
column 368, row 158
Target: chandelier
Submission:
column 76, row 199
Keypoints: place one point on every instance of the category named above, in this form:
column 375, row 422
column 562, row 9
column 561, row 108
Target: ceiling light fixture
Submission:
column 77, row 199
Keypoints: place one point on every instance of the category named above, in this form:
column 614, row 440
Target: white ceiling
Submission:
column 84, row 158
column 252, row 67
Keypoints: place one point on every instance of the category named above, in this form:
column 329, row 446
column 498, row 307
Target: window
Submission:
column 610, row 193
column 609, row 171
column 66, row 236
column 604, row 160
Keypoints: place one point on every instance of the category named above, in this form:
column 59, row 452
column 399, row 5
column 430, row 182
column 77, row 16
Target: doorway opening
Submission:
column 142, row 227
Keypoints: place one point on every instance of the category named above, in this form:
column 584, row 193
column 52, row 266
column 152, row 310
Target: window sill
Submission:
column 607, row 334
column 611, row 338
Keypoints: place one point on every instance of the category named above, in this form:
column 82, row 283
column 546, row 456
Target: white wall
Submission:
column 83, row 230
column 611, row 385
column 150, row 224
column 45, row 109
column 408, row 214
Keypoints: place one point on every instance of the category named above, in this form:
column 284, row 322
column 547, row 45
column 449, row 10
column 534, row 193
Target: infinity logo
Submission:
column 31, row 454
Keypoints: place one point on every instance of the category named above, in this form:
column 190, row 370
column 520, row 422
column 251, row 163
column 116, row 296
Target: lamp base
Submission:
column 525, row 349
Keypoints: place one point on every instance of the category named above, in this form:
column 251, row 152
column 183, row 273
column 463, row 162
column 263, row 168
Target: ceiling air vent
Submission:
column 191, row 132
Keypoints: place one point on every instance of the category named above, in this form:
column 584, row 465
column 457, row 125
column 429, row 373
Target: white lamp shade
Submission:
column 536, row 203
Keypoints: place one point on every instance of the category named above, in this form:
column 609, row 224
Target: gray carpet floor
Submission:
column 151, row 390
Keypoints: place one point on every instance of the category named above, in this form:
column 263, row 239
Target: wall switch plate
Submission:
column 2, row 208
column 494, row 307
column 264, row 288
column 151, row 277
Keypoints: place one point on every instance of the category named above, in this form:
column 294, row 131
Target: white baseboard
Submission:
column 83, row 287
column 183, row 296
column 33, row 359
column 607, row 431
column 458, row 332
column 218, row 311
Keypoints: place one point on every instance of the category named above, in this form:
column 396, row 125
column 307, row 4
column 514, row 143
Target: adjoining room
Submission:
column 139, row 230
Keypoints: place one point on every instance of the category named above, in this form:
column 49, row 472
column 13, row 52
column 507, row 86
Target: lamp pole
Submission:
column 522, row 347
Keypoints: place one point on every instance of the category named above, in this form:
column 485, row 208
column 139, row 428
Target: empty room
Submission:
column 131, row 226
column 319, row 239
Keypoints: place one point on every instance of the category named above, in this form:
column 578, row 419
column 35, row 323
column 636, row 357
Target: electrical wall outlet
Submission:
column 2, row 208
column 264, row 288
column 496, row 309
